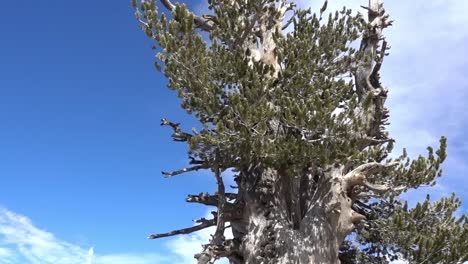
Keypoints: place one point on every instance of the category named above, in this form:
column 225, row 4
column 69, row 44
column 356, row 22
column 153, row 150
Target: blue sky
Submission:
column 81, row 148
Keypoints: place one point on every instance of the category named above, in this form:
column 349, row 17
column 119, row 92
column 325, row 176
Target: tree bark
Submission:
column 268, row 230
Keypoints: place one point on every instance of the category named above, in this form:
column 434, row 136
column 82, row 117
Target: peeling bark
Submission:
column 272, row 236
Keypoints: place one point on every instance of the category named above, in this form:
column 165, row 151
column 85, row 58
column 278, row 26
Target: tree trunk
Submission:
column 283, row 222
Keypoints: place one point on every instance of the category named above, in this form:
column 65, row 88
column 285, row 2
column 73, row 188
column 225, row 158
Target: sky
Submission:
column 81, row 148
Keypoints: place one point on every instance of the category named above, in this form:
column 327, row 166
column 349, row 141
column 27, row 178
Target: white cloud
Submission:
column 185, row 247
column 89, row 258
column 428, row 87
column 131, row 258
column 7, row 256
column 22, row 242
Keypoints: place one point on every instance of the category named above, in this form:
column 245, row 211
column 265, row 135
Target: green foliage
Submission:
column 428, row 233
column 236, row 102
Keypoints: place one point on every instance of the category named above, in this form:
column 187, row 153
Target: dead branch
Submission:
column 194, row 161
column 367, row 76
column 204, row 224
column 285, row 8
column 359, row 175
column 178, row 134
column 184, row 170
column 372, row 167
column 207, row 199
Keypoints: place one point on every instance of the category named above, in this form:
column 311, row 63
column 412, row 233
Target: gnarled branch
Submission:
column 178, row 134
column 358, row 176
column 367, row 78
column 371, row 168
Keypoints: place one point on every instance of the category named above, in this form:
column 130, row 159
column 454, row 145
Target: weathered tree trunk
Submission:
column 310, row 229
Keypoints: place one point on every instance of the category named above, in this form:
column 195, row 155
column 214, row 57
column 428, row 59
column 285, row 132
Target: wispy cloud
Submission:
column 22, row 242
column 185, row 247
column 7, row 256
column 428, row 87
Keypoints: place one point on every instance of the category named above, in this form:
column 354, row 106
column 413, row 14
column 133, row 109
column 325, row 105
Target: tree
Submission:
column 286, row 101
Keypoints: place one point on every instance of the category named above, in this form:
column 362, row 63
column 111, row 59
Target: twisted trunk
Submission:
column 289, row 220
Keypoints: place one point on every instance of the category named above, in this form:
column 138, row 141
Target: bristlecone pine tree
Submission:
column 289, row 101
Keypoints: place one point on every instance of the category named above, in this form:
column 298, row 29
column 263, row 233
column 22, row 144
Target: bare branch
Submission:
column 371, row 168
column 167, row 4
column 178, row 134
column 358, row 176
column 376, row 188
column 203, row 220
column 204, row 224
column 285, row 8
column 194, row 161
column 285, row 26
column 207, row 199
column 184, row 170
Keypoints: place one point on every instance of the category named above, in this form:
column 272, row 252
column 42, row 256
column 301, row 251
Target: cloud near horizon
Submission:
column 22, row 242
